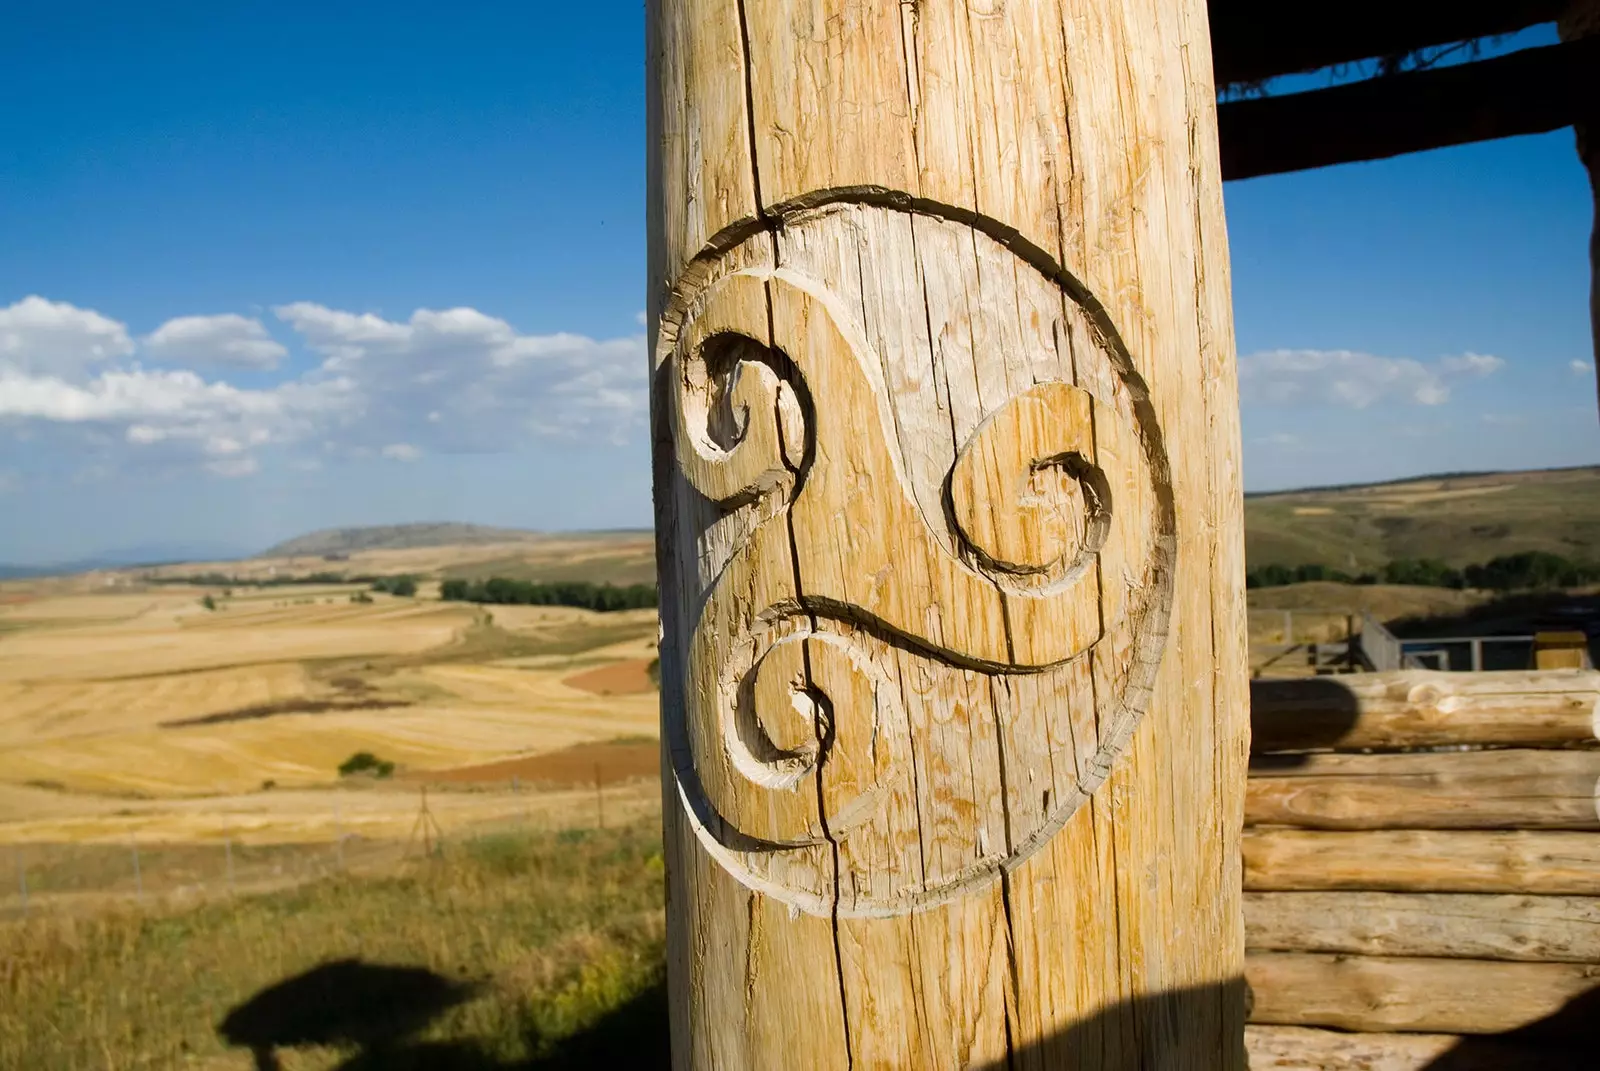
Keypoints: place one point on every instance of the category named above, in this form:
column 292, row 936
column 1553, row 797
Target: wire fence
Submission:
column 146, row 872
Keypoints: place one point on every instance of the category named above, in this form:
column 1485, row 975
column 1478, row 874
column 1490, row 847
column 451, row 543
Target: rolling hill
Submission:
column 394, row 537
column 1460, row 519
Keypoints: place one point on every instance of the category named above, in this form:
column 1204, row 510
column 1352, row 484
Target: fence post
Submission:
column 227, row 847
column 338, row 836
column 945, row 428
column 138, row 875
column 599, row 798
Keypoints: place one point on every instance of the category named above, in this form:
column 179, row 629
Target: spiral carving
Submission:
column 852, row 628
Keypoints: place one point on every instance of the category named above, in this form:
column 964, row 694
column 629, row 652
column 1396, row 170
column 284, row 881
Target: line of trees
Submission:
column 501, row 590
column 1533, row 570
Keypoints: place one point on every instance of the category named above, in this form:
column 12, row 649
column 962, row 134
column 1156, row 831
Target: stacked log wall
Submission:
column 1422, row 872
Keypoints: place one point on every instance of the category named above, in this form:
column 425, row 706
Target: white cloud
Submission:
column 233, row 468
column 42, row 336
column 458, row 379
column 1353, row 379
column 229, row 339
column 452, row 380
column 640, row 318
column 1580, row 368
column 1470, row 364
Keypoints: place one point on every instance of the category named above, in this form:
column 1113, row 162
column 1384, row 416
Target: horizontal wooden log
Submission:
column 1421, row 708
column 1454, row 996
column 1528, row 92
column 1533, row 929
column 1257, row 39
column 1443, row 790
column 1304, row 1048
column 1423, row 861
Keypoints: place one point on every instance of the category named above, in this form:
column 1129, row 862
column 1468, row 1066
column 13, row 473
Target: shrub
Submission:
column 365, row 762
column 403, row 586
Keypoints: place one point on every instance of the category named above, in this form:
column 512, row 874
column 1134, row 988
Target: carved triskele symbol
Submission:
column 882, row 610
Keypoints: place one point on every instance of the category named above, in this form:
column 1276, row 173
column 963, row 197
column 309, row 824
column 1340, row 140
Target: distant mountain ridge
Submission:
column 395, row 537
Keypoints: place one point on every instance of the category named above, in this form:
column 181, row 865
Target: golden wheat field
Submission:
column 132, row 710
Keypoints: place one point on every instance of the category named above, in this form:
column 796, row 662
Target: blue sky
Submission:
column 216, row 219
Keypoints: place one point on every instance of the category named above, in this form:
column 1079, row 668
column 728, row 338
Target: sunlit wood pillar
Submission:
column 949, row 520
column 1582, row 19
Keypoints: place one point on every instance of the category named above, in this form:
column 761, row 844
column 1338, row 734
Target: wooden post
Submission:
column 1580, row 20
column 949, row 532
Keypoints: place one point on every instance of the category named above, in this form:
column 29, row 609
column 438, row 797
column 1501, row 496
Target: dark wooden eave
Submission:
column 1252, row 40
column 1527, row 92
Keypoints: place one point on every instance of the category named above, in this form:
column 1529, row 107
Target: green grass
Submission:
column 551, row 943
column 1478, row 518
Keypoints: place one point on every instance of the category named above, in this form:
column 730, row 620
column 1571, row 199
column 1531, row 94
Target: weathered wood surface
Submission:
column 1423, row 861
column 1513, row 789
column 1580, row 22
column 943, row 402
column 1374, row 994
column 1422, row 708
column 1535, row 929
column 1304, row 1048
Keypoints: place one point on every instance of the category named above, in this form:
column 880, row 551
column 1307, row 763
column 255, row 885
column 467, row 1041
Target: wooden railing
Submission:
column 1422, row 871
column 1380, row 648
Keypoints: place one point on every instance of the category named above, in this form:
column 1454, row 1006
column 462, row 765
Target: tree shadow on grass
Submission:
column 375, row 1007
column 379, row 1009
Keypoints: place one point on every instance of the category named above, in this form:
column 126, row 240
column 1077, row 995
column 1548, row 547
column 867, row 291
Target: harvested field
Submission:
column 621, row 678
column 582, row 764
column 143, row 713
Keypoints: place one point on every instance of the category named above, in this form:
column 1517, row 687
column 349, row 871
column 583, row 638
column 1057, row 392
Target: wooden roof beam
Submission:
column 1253, row 40
column 1528, row 92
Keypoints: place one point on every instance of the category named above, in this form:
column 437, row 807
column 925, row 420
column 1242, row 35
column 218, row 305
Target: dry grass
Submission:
column 554, row 933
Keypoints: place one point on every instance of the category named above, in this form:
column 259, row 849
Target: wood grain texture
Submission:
column 1535, row 929
column 1423, row 861
column 949, row 532
column 1375, row 994
column 1422, row 708
column 1580, row 20
column 1512, row 789
column 1302, row 1048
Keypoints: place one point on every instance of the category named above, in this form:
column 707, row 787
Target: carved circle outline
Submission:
column 1150, row 629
